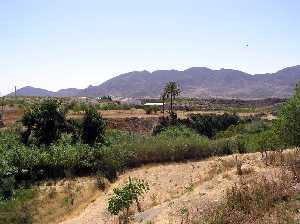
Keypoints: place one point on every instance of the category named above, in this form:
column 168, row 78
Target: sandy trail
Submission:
column 177, row 191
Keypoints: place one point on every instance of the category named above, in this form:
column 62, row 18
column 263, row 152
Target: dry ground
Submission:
column 177, row 191
column 13, row 114
column 140, row 113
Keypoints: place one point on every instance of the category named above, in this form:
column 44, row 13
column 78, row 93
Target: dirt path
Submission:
column 177, row 191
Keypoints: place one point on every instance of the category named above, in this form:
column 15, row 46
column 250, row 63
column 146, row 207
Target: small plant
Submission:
column 124, row 197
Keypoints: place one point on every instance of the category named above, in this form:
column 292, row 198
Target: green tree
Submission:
column 287, row 126
column 44, row 123
column 93, row 127
column 124, row 197
column 171, row 91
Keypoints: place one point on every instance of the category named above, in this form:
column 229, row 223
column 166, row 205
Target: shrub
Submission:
column 124, row 197
column 287, row 125
column 93, row 127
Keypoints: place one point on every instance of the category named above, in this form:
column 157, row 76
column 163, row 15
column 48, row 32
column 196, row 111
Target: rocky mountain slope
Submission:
column 194, row 82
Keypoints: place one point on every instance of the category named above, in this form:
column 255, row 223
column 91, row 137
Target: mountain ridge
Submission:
column 195, row 82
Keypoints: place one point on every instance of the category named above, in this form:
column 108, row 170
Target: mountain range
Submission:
column 195, row 82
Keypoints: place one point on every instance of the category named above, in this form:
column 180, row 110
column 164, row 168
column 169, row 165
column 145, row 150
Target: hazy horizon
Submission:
column 72, row 44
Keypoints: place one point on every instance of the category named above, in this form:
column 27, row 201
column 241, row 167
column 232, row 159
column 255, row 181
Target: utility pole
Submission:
column 15, row 91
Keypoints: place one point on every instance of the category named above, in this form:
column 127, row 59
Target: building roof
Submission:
column 153, row 104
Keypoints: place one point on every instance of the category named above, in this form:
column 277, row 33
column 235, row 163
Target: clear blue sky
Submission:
column 57, row 44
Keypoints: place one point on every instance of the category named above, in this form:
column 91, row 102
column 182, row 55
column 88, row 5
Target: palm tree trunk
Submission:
column 171, row 103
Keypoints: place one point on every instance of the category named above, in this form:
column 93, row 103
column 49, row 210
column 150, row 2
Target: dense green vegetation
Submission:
column 207, row 125
column 210, row 125
column 122, row 150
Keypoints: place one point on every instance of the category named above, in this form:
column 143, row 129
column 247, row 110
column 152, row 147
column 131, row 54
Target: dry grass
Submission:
column 258, row 199
column 64, row 199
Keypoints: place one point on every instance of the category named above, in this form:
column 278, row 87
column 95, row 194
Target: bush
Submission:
column 93, row 127
column 124, row 197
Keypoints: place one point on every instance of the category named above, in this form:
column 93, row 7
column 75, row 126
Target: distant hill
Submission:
column 31, row 91
column 194, row 82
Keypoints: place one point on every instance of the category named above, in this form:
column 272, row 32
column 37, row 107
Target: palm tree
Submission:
column 171, row 91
